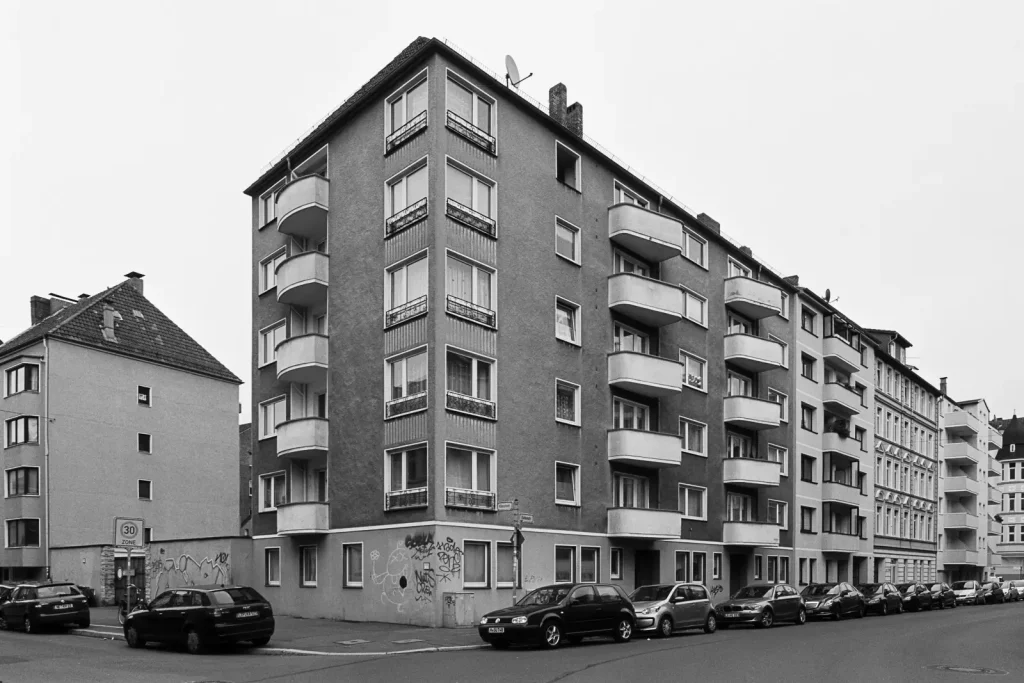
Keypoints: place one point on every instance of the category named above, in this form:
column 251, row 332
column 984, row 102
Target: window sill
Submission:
column 22, row 495
column 695, row 322
column 809, row 379
column 568, row 186
column 506, row 586
column 474, row 585
column 266, row 291
column 809, row 481
column 699, row 455
column 266, row 438
column 697, row 389
column 696, row 263
column 267, row 364
column 696, row 519
column 356, row 586
column 566, row 258
column 569, row 342
column 567, row 423
column 812, row 533
column 16, row 445
column 808, row 430
column 272, row 585
column 307, row 585
column 19, row 393
column 810, row 332
column 567, row 503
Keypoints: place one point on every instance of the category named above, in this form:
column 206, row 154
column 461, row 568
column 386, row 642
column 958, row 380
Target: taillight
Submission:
column 219, row 611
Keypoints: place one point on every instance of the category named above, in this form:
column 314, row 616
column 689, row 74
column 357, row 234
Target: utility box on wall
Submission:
column 458, row 611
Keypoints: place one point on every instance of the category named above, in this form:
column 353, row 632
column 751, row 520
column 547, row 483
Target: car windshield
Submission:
column 1005, row 585
column 964, row 585
column 56, row 591
column 650, row 593
column 936, row 586
column 904, row 587
column 821, row 589
column 870, row 588
column 752, row 592
column 549, row 595
column 235, row 596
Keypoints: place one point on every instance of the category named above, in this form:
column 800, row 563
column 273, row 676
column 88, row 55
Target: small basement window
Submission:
column 567, row 166
column 145, row 443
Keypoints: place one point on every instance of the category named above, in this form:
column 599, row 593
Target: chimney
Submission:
column 574, row 119
column 793, row 280
column 135, row 280
column 942, row 385
column 40, row 308
column 748, row 251
column 710, row 223
column 557, row 97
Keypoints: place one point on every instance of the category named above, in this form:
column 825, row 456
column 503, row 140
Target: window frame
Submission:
column 808, row 361
column 577, row 246
column 577, row 320
column 400, row 93
column 785, row 457
column 740, row 269
column 138, row 487
column 613, row 565
column 262, row 435
column 477, row 267
column 476, row 359
column 486, row 545
column 783, row 506
column 346, row 581
column 638, row 409
column 785, row 349
column 7, row 532
column 689, row 488
column 405, row 450
column 402, row 176
column 268, row 552
column 576, row 484
column 572, row 564
column 716, row 566
column 814, row 418
column 12, row 371
column 498, row 546
column 619, row 189
column 312, row 160
column 807, row 313
column 813, row 462
column 687, row 294
column 597, row 563
column 807, row 529
column 261, row 505
column 139, row 443
column 8, row 443
column 15, row 468
column 577, row 402
column 783, row 404
column 684, row 437
column 261, row 218
column 578, row 187
column 388, row 383
column 149, row 396
column 262, row 362
column 492, row 477
column 687, row 355
column 478, row 93
column 687, row 236
column 303, row 581
column 272, row 260
column 477, row 177
column 389, row 293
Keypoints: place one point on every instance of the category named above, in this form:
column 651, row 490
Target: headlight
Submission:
column 646, row 610
column 872, row 601
column 827, row 602
column 483, row 620
column 519, row 620
column 750, row 608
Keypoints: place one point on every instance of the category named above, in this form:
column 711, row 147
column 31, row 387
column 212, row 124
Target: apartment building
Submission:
column 110, row 410
column 1010, row 461
column 460, row 301
column 906, row 464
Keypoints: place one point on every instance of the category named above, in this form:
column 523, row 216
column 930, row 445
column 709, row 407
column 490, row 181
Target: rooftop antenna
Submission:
column 512, row 73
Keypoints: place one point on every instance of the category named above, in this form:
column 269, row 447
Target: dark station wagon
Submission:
column 198, row 616
column 30, row 606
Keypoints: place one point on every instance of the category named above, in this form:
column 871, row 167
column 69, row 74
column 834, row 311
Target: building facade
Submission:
column 1010, row 460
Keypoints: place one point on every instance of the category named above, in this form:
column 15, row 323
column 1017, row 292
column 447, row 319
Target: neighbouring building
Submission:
column 1010, row 460
column 245, row 478
column 112, row 410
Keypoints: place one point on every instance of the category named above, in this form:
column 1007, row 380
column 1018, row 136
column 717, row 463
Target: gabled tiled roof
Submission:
column 1013, row 435
column 150, row 336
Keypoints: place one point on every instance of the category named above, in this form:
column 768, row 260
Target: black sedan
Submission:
column 883, row 598
column 943, row 596
column 762, row 605
column 916, row 596
column 991, row 593
column 833, row 601
column 34, row 605
column 567, row 611
column 202, row 615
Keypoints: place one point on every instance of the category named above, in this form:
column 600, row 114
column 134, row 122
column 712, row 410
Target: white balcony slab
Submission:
column 645, row 299
column 755, row 354
column 747, row 412
column 302, row 208
column 652, row 236
column 303, row 279
column 760, row 534
column 302, row 359
column 643, row 448
column 753, row 298
column 303, row 518
column 645, row 374
column 643, row 523
column 751, row 472
column 303, row 437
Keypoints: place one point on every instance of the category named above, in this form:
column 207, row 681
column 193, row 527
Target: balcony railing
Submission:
column 750, row 533
column 404, row 405
column 839, row 352
column 751, row 472
column 467, row 498
column 841, row 398
column 407, row 311
column 470, row 218
column 469, row 404
column 470, row 311
column 406, row 132
column 405, row 218
column 409, row 498
column 466, row 129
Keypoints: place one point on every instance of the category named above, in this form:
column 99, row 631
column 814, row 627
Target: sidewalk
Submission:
column 293, row 635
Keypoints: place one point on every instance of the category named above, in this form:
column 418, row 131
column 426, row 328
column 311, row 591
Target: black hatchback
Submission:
column 198, row 616
column 564, row 611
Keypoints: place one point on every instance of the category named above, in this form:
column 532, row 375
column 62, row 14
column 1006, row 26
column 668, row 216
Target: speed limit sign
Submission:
column 128, row 533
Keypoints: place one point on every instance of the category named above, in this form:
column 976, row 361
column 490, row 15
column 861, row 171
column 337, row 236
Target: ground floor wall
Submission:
column 815, row 566
column 951, row 573
column 901, row 566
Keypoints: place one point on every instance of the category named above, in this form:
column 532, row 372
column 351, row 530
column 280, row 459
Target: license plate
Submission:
column 496, row 629
column 246, row 615
column 63, row 606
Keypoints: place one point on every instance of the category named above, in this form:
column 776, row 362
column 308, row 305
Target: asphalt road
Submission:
column 877, row 649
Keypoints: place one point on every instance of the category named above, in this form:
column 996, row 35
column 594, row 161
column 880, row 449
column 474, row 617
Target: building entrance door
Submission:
column 738, row 565
column 139, row 580
column 646, row 571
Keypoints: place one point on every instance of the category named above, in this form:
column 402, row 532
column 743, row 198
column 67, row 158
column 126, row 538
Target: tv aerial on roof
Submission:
column 512, row 72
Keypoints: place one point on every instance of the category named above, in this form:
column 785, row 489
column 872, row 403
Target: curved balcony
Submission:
column 295, row 519
column 649, row 301
column 760, row 534
column 747, row 412
column 302, row 208
column 962, row 423
column 836, row 542
column 848, row 446
column 962, row 453
column 652, row 236
column 644, row 449
column 843, row 494
column 648, row 375
column 956, row 556
column 838, row 353
column 840, row 399
column 302, row 438
column 961, row 486
column 752, row 298
column 302, row 359
column 755, row 354
column 994, row 528
column 302, row 280
column 643, row 523
column 959, row 520
column 751, row 472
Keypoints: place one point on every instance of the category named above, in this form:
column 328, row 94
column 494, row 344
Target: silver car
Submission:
column 669, row 607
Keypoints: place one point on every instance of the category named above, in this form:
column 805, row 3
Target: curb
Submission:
column 89, row 633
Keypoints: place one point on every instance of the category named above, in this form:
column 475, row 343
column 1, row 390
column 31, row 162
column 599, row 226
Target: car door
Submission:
column 581, row 610
column 14, row 610
column 151, row 624
column 699, row 602
column 173, row 620
column 924, row 597
column 610, row 608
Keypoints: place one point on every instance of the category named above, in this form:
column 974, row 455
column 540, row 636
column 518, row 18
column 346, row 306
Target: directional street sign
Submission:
column 504, row 507
column 128, row 533
column 526, row 519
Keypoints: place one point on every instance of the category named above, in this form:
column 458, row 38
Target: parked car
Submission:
column 943, row 596
column 882, row 598
column 833, row 601
column 32, row 606
column 202, row 615
column 560, row 612
column 5, row 592
column 992, row 592
column 671, row 607
column 968, row 592
column 1018, row 589
column 762, row 605
column 916, row 596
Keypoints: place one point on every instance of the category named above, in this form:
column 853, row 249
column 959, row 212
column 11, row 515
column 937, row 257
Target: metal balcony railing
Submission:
column 471, row 311
column 408, row 404
column 404, row 133
column 470, row 218
column 469, row 404
column 468, row 498
column 409, row 498
column 405, row 218
column 406, row 311
column 471, row 132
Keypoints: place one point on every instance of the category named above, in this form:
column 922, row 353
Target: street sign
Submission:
column 128, row 532
column 526, row 519
column 504, row 507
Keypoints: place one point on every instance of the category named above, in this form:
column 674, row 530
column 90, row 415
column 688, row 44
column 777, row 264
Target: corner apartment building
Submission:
column 460, row 301
column 1010, row 460
column 110, row 410
column 906, row 464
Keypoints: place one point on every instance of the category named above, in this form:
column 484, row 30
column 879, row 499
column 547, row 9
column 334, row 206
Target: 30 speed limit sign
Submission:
column 128, row 533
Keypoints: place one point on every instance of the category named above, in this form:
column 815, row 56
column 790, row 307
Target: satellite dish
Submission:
column 828, row 295
column 512, row 72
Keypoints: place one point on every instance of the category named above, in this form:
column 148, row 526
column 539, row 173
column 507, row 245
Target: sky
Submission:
column 872, row 148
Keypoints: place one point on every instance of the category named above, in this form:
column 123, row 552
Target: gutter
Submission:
column 46, row 446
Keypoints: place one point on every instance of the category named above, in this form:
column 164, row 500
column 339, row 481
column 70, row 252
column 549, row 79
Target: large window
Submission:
column 807, row 417
column 567, row 402
column 629, row 415
column 272, row 566
column 695, row 368
column 272, row 413
column 739, row 384
column 21, row 430
column 778, row 513
column 590, row 564
column 808, row 320
column 307, row 565
column 268, row 204
column 476, row 564
column 273, row 491
column 695, row 307
column 470, row 384
column 807, row 467
column 470, row 113
column 631, row 491
column 470, row 199
column 268, row 269
column 807, row 520
column 270, row 337
column 567, row 166
column 682, row 566
column 567, row 240
column 776, row 396
column 407, row 198
column 353, row 559
column 408, row 105
column 469, row 476
column 505, row 566
column 739, row 507
column 565, row 564
column 692, row 501
column 407, row 470
column 739, row 446
column 23, row 533
column 21, row 378
column 470, row 291
column 624, row 263
column 695, row 248
column 407, row 383
column 693, row 435
column 628, row 339
column 23, row 481
column 567, row 484
column 624, row 195
column 807, row 364
column 407, row 290
column 567, row 321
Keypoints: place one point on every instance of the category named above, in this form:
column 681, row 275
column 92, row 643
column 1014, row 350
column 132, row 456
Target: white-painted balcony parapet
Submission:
column 835, row 542
column 962, row 452
column 645, row 299
column 755, row 354
column 961, row 485
column 751, row 472
column 643, row 523
column 302, row 207
column 1015, row 550
column 747, row 412
column 303, row 518
column 762, row 534
column 643, row 448
column 303, row 279
column 304, row 437
column 840, row 399
column 959, row 520
column 653, row 236
column 647, row 375
column 962, row 422
column 302, row 359
column 753, row 298
column 848, row 446
column 838, row 353
column 844, row 494
column 960, row 556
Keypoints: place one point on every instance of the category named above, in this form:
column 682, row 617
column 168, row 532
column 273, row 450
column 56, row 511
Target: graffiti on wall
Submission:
column 407, row 577
column 715, row 590
column 185, row 570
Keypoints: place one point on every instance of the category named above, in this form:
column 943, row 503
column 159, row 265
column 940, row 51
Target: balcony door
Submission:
column 632, row 492
column 629, row 415
column 740, row 507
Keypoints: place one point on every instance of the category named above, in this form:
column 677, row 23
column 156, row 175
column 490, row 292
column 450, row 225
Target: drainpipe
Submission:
column 46, row 445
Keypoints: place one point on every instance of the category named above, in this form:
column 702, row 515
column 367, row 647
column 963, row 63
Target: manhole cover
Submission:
column 980, row 670
column 351, row 642
column 11, row 659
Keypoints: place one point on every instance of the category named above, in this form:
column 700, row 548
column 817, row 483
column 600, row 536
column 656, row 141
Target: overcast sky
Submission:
column 873, row 148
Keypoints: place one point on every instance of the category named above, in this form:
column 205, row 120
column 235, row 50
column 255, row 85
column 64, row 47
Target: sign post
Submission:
column 518, row 519
column 129, row 533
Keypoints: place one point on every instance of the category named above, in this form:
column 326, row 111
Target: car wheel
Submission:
column 260, row 642
column 885, row 609
column 193, row 642
column 711, row 624
column 28, row 626
column 862, row 611
column 500, row 644
column 665, row 627
column 836, row 615
column 899, row 607
column 801, row 617
column 624, row 630
column 552, row 636
column 131, row 636
column 766, row 620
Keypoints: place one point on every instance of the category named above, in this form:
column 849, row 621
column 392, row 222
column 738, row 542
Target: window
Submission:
column 407, row 382
column 567, row 484
column 470, row 291
column 623, row 263
column 682, row 565
column 807, row 468
column 567, row 402
column 739, row 446
column 807, row 520
column 812, row 565
column 21, row 378
column 773, row 568
column 696, row 377
column 776, row 396
column 628, row 339
column 471, row 380
column 629, row 415
column 21, row 430
column 408, row 103
column 737, row 269
column 590, row 563
column 695, row 248
column 270, row 337
column 470, row 191
column 476, row 564
column 740, row 508
column 859, row 434
column 307, row 565
column 567, row 166
column 147, row 535
column 630, row 491
column 783, row 570
column 406, row 291
column 268, row 270
column 567, row 240
column 700, row 564
column 785, row 306
column 738, row 384
column 567, row 316
column 778, row 513
column 807, row 320
column 407, row 470
column 691, row 501
column 145, row 489
column 272, row 491
column 145, row 396
column 802, row 571
column 353, row 559
column 780, row 455
column 407, row 197
column 693, row 435
column 807, row 417
column 145, row 443
column 268, row 204
column 565, row 564
column 739, row 325
column 785, row 349
column 272, row 413
column 716, row 566
column 469, row 470
column 23, row 481
column 23, row 533
column 272, row 566
column 506, row 575
column 616, row 564
column 695, row 307
column 470, row 113
column 758, row 567
column 807, row 364
column 623, row 195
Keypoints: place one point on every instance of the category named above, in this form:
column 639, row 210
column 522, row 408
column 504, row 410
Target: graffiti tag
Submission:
column 716, row 589
column 187, row 571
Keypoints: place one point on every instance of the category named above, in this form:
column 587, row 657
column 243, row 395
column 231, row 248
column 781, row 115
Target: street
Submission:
column 894, row 648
